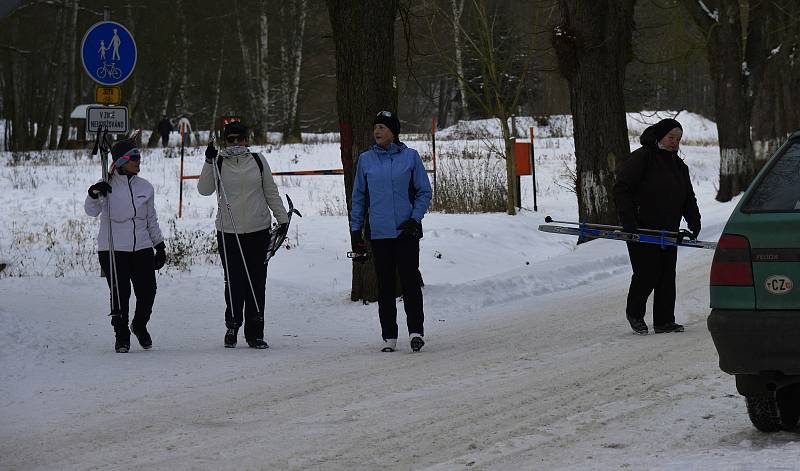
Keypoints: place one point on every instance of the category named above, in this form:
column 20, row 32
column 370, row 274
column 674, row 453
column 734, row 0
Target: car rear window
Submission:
column 779, row 189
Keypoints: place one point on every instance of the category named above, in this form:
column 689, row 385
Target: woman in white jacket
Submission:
column 251, row 197
column 135, row 232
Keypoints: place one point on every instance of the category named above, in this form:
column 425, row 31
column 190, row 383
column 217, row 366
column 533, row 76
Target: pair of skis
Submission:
column 587, row 230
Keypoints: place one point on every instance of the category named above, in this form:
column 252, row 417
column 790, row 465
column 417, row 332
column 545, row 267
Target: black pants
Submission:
column 164, row 140
column 254, row 246
column 132, row 268
column 653, row 270
column 400, row 256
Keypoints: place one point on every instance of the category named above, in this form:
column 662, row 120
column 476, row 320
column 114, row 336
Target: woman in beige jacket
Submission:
column 248, row 198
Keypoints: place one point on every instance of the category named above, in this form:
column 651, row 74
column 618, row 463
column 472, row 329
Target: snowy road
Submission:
column 552, row 382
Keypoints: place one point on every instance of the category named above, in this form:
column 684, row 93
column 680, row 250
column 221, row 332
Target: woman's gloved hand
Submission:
column 409, row 229
column 99, row 188
column 211, row 153
column 161, row 256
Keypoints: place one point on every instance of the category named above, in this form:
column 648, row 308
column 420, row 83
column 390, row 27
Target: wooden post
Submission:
column 180, row 192
column 433, row 155
column 533, row 172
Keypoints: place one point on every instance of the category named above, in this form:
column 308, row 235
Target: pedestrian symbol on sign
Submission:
column 115, row 46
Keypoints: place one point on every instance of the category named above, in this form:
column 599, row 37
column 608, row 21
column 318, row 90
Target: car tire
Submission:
column 771, row 412
column 763, row 412
column 789, row 406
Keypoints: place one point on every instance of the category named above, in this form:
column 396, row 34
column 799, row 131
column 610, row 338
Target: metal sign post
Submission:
column 533, row 172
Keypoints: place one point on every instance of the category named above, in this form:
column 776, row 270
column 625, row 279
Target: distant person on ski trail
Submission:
column 392, row 186
column 164, row 128
column 246, row 184
column 185, row 129
column 135, row 231
column 654, row 191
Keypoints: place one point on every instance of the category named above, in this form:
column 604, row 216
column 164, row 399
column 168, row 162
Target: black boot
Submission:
column 143, row 336
column 257, row 343
column 123, row 336
column 668, row 328
column 638, row 325
column 230, row 338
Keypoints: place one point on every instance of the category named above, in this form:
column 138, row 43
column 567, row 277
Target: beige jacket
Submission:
column 253, row 199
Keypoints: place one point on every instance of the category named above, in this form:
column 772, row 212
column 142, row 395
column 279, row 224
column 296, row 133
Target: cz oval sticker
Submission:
column 779, row 284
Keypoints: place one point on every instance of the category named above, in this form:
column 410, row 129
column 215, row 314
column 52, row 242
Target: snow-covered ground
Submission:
column 529, row 362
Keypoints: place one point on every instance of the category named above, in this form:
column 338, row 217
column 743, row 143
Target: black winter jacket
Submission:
column 653, row 189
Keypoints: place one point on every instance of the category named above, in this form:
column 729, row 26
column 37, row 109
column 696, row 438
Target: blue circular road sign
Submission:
column 108, row 52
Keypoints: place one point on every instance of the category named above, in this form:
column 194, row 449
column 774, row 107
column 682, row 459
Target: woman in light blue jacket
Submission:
column 392, row 186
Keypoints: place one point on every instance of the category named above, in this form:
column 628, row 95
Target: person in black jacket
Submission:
column 164, row 128
column 654, row 191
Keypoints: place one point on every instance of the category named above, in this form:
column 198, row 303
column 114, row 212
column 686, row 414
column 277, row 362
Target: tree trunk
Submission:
column 737, row 52
column 246, row 67
column 184, row 41
column 774, row 114
column 292, row 13
column 297, row 62
column 732, row 111
column 69, row 94
column 46, row 122
column 508, row 145
column 458, row 8
column 20, row 137
column 593, row 46
column 262, row 78
column 215, row 123
column 169, row 94
column 365, row 84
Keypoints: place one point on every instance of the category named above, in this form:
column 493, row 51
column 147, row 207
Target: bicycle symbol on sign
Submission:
column 110, row 70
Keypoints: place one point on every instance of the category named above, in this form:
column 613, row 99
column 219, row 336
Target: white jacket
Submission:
column 134, row 223
column 253, row 199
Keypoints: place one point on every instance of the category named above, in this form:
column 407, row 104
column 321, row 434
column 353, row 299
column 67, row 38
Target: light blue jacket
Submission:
column 393, row 185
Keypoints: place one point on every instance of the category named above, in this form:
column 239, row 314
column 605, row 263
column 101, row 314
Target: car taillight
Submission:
column 731, row 266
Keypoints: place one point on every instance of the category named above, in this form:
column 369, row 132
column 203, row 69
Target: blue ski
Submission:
column 665, row 239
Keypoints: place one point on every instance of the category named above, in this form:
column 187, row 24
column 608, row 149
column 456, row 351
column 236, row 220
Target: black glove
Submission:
column 161, row 256
column 282, row 230
column 211, row 153
column 99, row 188
column 410, row 229
column 629, row 227
column 359, row 247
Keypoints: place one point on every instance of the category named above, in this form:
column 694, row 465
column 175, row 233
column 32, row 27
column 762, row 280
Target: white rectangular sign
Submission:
column 115, row 118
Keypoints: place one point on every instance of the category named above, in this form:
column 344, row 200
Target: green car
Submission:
column 755, row 300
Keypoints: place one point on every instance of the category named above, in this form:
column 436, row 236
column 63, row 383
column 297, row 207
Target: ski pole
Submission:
column 102, row 146
column 549, row 220
column 222, row 227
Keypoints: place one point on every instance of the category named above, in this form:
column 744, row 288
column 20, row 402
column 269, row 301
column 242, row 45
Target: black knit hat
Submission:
column 121, row 148
column 235, row 128
column 388, row 119
column 663, row 127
